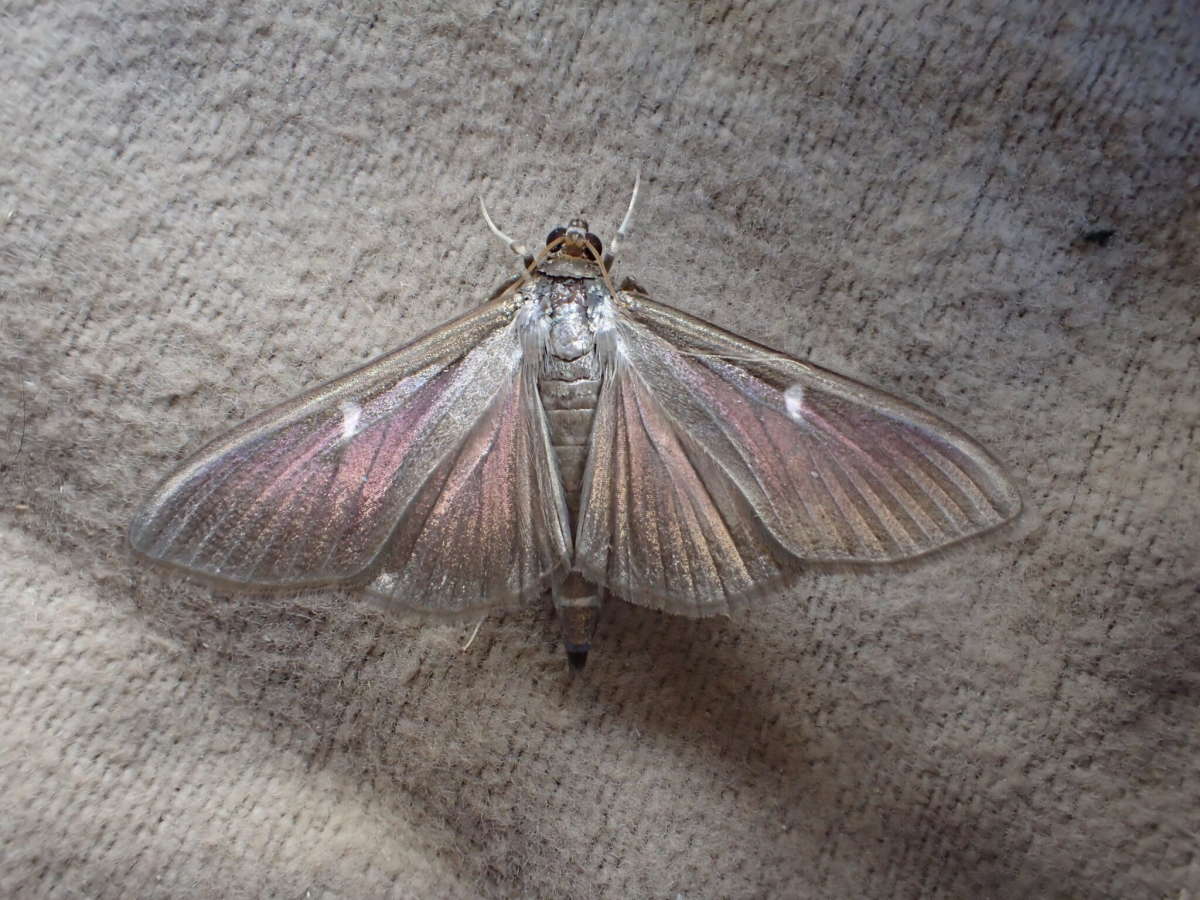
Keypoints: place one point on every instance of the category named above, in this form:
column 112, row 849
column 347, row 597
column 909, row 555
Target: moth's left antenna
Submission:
column 516, row 248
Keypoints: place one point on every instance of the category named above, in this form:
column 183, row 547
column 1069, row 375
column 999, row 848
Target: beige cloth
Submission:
column 204, row 211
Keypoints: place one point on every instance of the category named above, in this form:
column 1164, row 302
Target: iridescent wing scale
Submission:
column 426, row 476
column 718, row 467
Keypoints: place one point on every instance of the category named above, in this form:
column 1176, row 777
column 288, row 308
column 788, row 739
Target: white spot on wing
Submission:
column 351, row 414
column 793, row 399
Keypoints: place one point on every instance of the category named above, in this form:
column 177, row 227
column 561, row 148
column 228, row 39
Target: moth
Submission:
column 578, row 439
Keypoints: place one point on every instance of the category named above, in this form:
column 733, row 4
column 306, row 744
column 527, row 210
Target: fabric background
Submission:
column 205, row 210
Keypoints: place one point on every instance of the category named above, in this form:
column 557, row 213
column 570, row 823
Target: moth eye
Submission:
column 555, row 235
column 597, row 246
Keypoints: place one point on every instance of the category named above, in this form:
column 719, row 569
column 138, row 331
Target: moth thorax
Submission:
column 571, row 334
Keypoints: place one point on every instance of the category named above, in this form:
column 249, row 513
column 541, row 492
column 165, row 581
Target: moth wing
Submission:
column 490, row 524
column 337, row 485
column 719, row 466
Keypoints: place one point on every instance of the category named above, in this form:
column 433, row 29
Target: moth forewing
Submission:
column 312, row 492
column 832, row 470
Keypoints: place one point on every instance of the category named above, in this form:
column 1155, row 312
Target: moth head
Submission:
column 575, row 241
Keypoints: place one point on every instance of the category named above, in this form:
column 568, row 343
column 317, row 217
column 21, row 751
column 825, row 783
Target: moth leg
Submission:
column 474, row 634
column 577, row 603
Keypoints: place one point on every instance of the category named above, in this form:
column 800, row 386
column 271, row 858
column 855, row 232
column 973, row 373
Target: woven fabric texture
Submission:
column 988, row 208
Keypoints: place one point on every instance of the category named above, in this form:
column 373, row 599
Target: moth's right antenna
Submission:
column 623, row 230
column 516, row 248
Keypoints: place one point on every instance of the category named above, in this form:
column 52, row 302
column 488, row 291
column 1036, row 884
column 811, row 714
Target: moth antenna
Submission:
column 624, row 229
column 516, row 248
